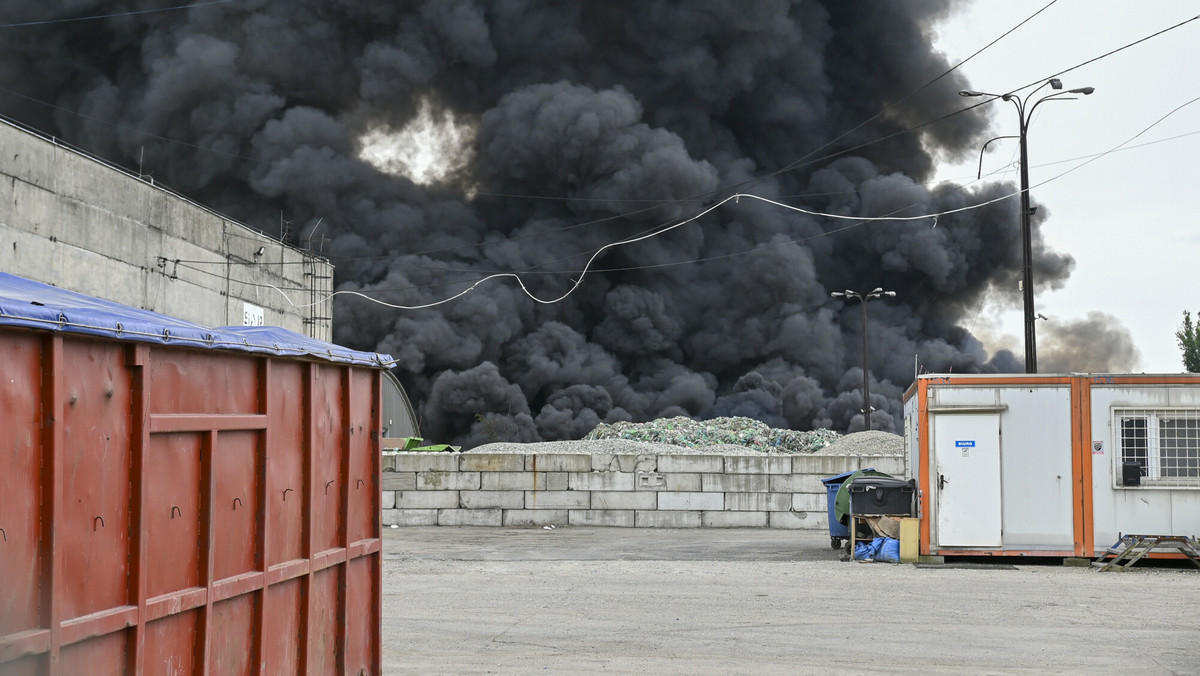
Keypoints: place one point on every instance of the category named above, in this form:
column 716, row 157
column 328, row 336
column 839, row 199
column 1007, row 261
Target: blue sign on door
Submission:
column 965, row 444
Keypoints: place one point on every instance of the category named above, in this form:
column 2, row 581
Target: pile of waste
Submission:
column 745, row 432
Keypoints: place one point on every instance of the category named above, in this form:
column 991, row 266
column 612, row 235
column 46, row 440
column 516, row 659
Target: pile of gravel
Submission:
column 717, row 433
column 865, row 443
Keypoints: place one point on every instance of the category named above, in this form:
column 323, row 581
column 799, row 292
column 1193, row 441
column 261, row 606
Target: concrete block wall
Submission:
column 634, row 491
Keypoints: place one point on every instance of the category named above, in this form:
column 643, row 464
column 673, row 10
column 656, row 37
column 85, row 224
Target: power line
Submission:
column 1107, row 54
column 1122, row 147
column 801, row 161
column 966, row 181
column 660, row 203
column 858, row 222
column 1119, row 146
column 115, row 14
column 805, row 160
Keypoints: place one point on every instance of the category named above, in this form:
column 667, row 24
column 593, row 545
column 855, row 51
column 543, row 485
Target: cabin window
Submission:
column 1159, row 448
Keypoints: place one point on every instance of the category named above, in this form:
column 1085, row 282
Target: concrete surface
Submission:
column 754, row 601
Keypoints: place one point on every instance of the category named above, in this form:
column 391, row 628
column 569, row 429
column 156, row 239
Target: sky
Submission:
column 1128, row 218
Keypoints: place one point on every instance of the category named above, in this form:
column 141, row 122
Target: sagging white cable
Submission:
column 577, row 282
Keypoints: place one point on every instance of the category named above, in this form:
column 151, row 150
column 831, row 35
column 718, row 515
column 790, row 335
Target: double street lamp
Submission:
column 1024, row 114
column 863, row 298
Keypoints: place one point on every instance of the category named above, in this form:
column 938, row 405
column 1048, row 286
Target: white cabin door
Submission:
column 967, row 479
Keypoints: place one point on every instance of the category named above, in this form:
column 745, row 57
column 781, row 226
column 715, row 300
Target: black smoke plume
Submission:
column 594, row 121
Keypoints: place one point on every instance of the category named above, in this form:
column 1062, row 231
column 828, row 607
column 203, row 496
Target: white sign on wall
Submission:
column 252, row 315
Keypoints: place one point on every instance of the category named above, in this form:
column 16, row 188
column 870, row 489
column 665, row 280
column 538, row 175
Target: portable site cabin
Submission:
column 181, row 499
column 1052, row 465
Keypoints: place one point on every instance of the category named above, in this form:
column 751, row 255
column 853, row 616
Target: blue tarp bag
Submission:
column 866, row 551
column 889, row 550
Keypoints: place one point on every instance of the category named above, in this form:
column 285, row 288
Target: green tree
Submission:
column 1189, row 341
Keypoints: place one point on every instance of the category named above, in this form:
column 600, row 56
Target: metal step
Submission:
column 1132, row 547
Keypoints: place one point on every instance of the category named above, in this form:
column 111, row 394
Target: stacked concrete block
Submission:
column 621, row 490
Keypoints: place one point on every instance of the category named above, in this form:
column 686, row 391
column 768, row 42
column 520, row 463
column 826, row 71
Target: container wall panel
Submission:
column 101, row 655
column 325, row 628
column 329, row 423
column 196, row 382
column 285, row 480
column 234, row 636
column 176, row 511
column 31, row 665
column 284, row 644
column 1185, row 513
column 364, row 475
column 21, row 563
column 1117, row 509
column 173, row 514
column 1036, row 467
column 171, row 644
column 362, row 592
column 94, row 527
column 236, row 458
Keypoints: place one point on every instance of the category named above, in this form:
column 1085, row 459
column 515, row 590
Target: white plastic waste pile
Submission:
column 745, row 432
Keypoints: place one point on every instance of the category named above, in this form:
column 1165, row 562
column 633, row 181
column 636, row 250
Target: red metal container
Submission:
column 170, row 505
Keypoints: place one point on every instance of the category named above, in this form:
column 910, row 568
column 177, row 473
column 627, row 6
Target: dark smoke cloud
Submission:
column 624, row 116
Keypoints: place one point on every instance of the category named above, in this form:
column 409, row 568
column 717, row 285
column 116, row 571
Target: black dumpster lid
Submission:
column 863, row 482
column 842, row 477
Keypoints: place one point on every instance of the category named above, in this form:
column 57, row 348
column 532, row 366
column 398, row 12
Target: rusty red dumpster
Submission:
column 181, row 499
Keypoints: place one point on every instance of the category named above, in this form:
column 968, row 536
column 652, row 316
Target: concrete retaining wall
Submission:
column 70, row 220
column 636, row 491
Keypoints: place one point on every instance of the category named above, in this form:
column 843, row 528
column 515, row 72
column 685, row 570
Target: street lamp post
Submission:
column 1023, row 117
column 862, row 299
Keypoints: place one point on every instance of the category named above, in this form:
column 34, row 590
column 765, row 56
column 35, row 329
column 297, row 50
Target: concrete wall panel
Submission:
column 75, row 222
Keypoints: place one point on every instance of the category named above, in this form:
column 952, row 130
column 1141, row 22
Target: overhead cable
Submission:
column 114, row 14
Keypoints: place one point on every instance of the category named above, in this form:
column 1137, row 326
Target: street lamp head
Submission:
column 878, row 289
column 1082, row 90
column 837, row 294
column 967, row 93
column 889, row 293
column 1055, row 83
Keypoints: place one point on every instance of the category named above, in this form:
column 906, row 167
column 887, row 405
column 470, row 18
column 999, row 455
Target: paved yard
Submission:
column 572, row 600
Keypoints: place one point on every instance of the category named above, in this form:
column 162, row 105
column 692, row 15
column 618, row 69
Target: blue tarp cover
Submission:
column 27, row 303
